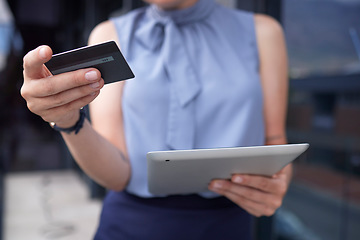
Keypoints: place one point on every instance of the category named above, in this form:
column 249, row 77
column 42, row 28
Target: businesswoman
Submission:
column 206, row 77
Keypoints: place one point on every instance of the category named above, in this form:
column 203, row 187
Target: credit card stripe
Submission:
column 84, row 65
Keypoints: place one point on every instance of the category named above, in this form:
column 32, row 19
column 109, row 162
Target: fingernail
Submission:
column 217, row 185
column 42, row 53
column 95, row 85
column 91, row 76
column 237, row 179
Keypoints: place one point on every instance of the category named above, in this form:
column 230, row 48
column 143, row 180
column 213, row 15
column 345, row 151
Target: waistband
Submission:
column 192, row 201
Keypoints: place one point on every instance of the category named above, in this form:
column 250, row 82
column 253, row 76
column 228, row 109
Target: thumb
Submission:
column 34, row 60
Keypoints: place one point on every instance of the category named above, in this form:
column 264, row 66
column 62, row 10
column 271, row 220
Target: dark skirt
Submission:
column 128, row 217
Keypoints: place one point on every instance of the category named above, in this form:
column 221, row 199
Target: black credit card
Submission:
column 106, row 57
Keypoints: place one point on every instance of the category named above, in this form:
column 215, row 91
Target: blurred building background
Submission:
column 323, row 38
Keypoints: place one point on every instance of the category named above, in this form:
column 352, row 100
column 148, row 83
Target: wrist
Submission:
column 69, row 121
column 71, row 126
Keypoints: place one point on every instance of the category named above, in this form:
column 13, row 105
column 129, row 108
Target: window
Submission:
column 321, row 36
column 323, row 201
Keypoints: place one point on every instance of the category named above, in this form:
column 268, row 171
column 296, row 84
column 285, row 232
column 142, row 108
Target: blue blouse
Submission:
column 197, row 82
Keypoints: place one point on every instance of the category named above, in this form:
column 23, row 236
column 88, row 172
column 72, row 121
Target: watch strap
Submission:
column 78, row 125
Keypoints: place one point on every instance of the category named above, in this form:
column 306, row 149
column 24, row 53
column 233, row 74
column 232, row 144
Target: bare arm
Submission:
column 261, row 195
column 274, row 78
column 58, row 99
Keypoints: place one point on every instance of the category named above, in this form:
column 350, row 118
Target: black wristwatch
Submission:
column 78, row 125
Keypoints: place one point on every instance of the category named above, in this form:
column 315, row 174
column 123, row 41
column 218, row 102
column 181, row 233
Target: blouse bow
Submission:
column 163, row 33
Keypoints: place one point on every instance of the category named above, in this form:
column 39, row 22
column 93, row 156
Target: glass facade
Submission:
column 322, row 36
column 323, row 201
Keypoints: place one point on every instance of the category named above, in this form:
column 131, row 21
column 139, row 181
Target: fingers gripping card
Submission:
column 106, row 57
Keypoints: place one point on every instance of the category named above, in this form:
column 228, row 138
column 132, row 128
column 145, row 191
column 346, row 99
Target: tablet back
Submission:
column 190, row 171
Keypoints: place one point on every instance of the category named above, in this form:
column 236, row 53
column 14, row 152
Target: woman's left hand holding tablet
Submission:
column 258, row 195
column 57, row 98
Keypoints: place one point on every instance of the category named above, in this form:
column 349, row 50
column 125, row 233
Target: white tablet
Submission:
column 190, row 171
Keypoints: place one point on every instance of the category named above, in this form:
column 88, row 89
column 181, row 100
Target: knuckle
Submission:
column 264, row 183
column 68, row 107
column 257, row 214
column 268, row 211
column 58, row 100
column 26, row 61
column 81, row 102
column 250, row 194
column 282, row 188
column 49, row 88
column 86, row 90
column 277, row 203
column 79, row 77
column 31, row 107
column 23, row 92
column 227, row 186
column 72, row 106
